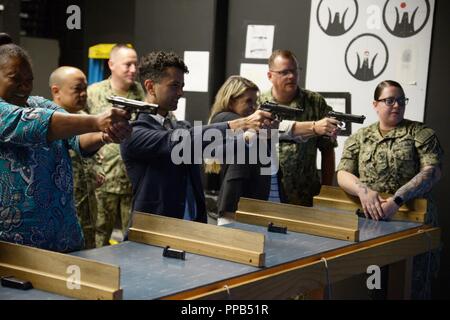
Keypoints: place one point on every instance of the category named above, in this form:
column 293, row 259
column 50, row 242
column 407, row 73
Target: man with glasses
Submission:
column 299, row 174
column 396, row 156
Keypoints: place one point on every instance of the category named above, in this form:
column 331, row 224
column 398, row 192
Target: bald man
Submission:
column 68, row 86
column 114, row 197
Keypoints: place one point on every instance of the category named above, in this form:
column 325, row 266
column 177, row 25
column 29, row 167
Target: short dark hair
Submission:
column 284, row 53
column 119, row 46
column 153, row 65
column 8, row 51
column 384, row 84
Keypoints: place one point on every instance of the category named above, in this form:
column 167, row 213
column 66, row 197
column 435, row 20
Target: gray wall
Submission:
column 9, row 19
column 107, row 21
column 180, row 25
column 45, row 54
column 286, row 15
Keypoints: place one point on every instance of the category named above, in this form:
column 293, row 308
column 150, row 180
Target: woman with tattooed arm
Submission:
column 394, row 155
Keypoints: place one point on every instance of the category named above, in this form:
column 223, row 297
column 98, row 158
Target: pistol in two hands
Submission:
column 280, row 112
column 346, row 117
column 133, row 106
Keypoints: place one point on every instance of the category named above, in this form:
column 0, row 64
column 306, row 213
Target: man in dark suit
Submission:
column 160, row 186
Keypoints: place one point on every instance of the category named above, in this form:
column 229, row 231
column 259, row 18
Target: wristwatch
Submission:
column 399, row 201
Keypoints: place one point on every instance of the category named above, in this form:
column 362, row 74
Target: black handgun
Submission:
column 279, row 111
column 346, row 117
column 133, row 106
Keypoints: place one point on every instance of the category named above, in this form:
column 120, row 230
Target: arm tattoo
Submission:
column 362, row 186
column 422, row 183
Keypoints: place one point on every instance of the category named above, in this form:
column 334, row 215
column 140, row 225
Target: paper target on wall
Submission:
column 355, row 44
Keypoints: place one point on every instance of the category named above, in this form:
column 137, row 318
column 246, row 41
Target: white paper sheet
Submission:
column 198, row 64
column 259, row 42
column 258, row 74
column 338, row 104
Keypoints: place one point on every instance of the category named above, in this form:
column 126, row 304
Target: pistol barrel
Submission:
column 280, row 111
column 345, row 117
column 133, row 106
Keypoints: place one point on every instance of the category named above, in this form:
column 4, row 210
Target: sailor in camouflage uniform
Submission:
column 298, row 161
column 114, row 197
column 399, row 157
column 85, row 181
column 68, row 86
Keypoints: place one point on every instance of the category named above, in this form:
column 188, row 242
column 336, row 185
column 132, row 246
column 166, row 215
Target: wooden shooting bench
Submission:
column 319, row 254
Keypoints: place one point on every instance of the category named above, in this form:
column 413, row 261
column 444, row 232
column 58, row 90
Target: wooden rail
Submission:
column 334, row 197
column 343, row 226
column 61, row 273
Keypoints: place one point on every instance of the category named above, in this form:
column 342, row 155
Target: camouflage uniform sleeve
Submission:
column 350, row 156
column 97, row 163
column 92, row 98
column 324, row 143
column 140, row 91
column 428, row 147
column 90, row 94
column 263, row 97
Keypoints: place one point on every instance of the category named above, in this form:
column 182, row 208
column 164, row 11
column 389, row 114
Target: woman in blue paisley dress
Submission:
column 36, row 188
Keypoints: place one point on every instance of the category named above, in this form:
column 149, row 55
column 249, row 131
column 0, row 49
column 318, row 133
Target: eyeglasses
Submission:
column 402, row 101
column 286, row 72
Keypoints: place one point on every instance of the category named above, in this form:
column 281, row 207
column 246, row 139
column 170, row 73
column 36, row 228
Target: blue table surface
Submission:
column 146, row 274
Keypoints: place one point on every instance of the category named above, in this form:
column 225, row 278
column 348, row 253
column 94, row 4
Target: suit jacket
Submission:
column 158, row 184
column 241, row 180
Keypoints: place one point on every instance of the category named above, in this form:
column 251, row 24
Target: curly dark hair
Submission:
column 153, row 65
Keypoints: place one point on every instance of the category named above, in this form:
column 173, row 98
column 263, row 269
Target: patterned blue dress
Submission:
column 36, row 185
